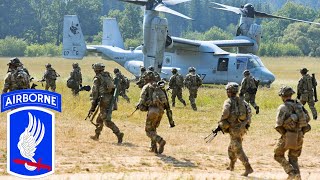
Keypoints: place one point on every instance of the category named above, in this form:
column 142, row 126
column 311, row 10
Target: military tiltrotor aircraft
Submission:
column 248, row 34
column 212, row 63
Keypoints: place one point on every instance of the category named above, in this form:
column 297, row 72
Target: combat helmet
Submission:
column 304, row 71
column 192, row 69
column 149, row 76
column 48, row 65
column 286, row 91
column 75, row 65
column 98, row 66
column 15, row 61
column 151, row 68
column 116, row 70
column 232, row 87
column 246, row 72
column 174, row 70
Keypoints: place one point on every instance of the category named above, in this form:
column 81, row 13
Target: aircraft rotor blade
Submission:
column 173, row 2
column 137, row 2
column 265, row 15
column 163, row 8
column 227, row 8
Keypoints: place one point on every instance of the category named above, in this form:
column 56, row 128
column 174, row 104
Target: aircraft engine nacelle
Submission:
column 155, row 35
column 169, row 42
column 255, row 32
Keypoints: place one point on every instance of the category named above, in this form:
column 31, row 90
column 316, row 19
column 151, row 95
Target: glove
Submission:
column 247, row 126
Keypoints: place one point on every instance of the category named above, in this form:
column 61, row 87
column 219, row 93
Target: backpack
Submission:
column 52, row 74
column 126, row 83
column 22, row 79
column 179, row 80
column 240, row 109
column 299, row 116
column 71, row 83
column 106, row 82
column 158, row 96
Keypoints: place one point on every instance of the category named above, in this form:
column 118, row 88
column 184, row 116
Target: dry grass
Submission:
column 186, row 151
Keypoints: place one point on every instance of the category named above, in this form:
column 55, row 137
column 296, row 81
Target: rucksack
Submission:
column 179, row 80
column 71, row 83
column 241, row 109
column 106, row 82
column 158, row 96
column 126, row 83
column 52, row 74
column 22, row 79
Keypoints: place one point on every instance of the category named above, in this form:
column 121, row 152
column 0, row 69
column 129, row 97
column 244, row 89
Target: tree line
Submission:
column 35, row 26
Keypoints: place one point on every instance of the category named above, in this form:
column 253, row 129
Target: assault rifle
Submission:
column 114, row 97
column 167, row 105
column 85, row 88
column 314, row 84
column 33, row 86
column 213, row 134
column 91, row 115
column 137, row 107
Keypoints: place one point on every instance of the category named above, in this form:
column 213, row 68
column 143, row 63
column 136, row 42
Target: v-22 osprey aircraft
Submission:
column 213, row 64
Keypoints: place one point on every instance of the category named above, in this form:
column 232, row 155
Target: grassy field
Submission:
column 185, row 152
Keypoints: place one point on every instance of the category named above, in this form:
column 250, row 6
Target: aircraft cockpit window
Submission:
column 253, row 63
column 223, row 64
column 241, row 63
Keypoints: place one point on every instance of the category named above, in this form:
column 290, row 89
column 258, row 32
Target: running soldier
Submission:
column 50, row 76
column 305, row 91
column 249, row 89
column 292, row 123
column 123, row 85
column 17, row 77
column 235, row 120
column 75, row 79
column 153, row 99
column 176, row 84
column 193, row 82
column 141, row 82
column 101, row 95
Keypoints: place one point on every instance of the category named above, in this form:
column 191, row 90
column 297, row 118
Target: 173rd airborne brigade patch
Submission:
column 30, row 131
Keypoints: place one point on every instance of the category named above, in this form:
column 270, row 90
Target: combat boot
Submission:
column 248, row 171
column 194, row 107
column 153, row 147
column 231, row 166
column 257, row 109
column 120, row 137
column 292, row 175
column 95, row 137
column 161, row 146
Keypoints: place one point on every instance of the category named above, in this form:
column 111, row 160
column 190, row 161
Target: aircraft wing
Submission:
column 233, row 43
column 185, row 43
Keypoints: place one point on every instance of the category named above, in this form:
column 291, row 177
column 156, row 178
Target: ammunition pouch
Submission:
column 291, row 140
column 224, row 125
column 291, row 123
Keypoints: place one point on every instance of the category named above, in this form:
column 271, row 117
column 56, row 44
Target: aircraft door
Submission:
column 240, row 66
column 220, row 72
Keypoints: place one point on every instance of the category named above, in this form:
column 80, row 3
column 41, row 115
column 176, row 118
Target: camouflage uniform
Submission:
column 17, row 77
column 50, row 76
column 176, row 87
column 292, row 118
column 192, row 82
column 152, row 99
column 102, row 92
column 249, row 90
column 141, row 82
column 235, row 120
column 305, row 91
column 122, row 84
column 76, row 76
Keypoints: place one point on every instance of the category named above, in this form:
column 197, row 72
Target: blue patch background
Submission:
column 18, row 122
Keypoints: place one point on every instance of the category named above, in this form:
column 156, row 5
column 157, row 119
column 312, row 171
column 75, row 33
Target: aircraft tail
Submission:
column 74, row 46
column 111, row 33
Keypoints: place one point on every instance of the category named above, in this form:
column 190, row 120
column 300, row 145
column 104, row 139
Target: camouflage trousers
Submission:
column 122, row 93
column 250, row 98
column 293, row 154
column 192, row 97
column 75, row 90
column 308, row 98
column 154, row 117
column 235, row 150
column 102, row 117
column 51, row 84
column 177, row 92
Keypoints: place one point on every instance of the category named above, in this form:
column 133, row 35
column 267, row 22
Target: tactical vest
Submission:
column 155, row 96
column 51, row 74
column 307, row 83
column 179, row 80
column 240, row 111
column 297, row 117
column 193, row 81
column 106, row 83
column 21, row 79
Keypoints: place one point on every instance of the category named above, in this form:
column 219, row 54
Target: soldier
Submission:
column 102, row 92
column 193, row 82
column 50, row 76
column 249, row 89
column 123, row 85
column 176, row 84
column 76, row 79
column 292, row 123
column 156, row 74
column 153, row 99
column 235, row 120
column 17, row 76
column 141, row 81
column 305, row 91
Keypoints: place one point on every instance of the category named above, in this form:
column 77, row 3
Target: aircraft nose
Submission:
column 267, row 77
